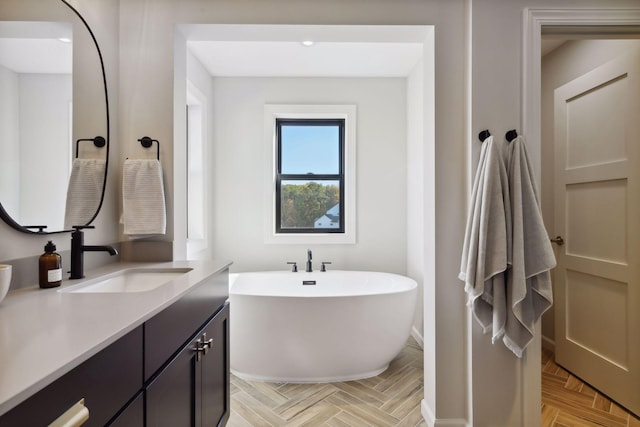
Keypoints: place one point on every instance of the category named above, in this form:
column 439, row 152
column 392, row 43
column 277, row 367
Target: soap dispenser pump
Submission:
column 50, row 267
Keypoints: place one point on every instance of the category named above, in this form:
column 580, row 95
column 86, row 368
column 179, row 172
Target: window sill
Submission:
column 312, row 238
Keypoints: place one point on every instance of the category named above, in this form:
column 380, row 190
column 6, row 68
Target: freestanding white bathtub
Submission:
column 348, row 325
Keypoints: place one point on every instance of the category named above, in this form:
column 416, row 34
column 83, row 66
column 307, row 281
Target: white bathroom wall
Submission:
column 45, row 140
column 89, row 110
column 202, row 82
column 415, row 188
column 571, row 60
column 9, row 143
column 239, row 171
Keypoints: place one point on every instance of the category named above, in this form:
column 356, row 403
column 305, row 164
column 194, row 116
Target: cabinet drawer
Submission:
column 169, row 330
column 106, row 381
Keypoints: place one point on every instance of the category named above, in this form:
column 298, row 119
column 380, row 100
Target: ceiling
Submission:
column 35, row 47
column 277, row 50
column 555, row 36
column 251, row 50
column 337, row 50
column 292, row 59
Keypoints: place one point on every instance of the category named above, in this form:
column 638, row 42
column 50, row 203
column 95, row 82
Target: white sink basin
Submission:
column 131, row 280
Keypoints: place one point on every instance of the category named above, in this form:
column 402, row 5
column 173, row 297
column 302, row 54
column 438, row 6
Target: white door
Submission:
column 597, row 212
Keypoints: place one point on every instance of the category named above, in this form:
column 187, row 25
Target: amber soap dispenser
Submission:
column 50, row 267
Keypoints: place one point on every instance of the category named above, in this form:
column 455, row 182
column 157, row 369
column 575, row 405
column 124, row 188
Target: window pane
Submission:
column 310, row 149
column 310, row 204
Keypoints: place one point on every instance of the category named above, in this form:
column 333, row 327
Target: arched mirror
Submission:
column 54, row 117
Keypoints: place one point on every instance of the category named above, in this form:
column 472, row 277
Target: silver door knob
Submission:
column 558, row 240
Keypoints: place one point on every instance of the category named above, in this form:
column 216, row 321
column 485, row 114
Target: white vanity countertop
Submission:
column 45, row 333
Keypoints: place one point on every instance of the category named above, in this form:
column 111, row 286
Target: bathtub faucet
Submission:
column 309, row 268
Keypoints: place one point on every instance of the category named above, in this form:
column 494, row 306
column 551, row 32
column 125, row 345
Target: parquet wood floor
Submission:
column 390, row 399
column 393, row 399
column 569, row 402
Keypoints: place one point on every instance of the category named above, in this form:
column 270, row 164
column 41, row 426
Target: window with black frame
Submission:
column 310, row 175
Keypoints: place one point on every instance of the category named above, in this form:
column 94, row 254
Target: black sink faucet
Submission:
column 309, row 268
column 78, row 249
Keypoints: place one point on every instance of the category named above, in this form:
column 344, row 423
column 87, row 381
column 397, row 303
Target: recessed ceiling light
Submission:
column 65, row 39
column 307, row 43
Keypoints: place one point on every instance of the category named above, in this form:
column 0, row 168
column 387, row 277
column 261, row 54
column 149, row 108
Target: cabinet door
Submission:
column 133, row 414
column 214, row 372
column 193, row 389
column 171, row 396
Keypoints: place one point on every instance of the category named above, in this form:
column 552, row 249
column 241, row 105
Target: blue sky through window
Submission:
column 310, row 148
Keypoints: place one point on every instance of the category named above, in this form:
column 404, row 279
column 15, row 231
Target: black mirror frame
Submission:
column 4, row 214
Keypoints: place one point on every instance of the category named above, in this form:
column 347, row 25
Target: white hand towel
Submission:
column 487, row 241
column 529, row 291
column 144, row 211
column 84, row 191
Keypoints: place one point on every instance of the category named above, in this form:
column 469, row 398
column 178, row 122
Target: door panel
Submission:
column 598, row 225
column 597, row 211
column 170, row 398
column 586, row 295
column 133, row 415
column 587, row 129
column 215, row 372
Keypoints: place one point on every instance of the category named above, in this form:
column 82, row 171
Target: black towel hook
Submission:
column 511, row 135
column 484, row 135
column 148, row 142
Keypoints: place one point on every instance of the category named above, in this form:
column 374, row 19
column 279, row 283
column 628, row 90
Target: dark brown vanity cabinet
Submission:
column 193, row 389
column 132, row 415
column 173, row 370
column 106, row 382
column 168, row 331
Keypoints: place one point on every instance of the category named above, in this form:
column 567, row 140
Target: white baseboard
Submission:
column 548, row 344
column 417, row 336
column 432, row 421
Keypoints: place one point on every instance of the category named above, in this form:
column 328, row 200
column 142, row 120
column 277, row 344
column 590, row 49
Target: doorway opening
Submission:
column 588, row 332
